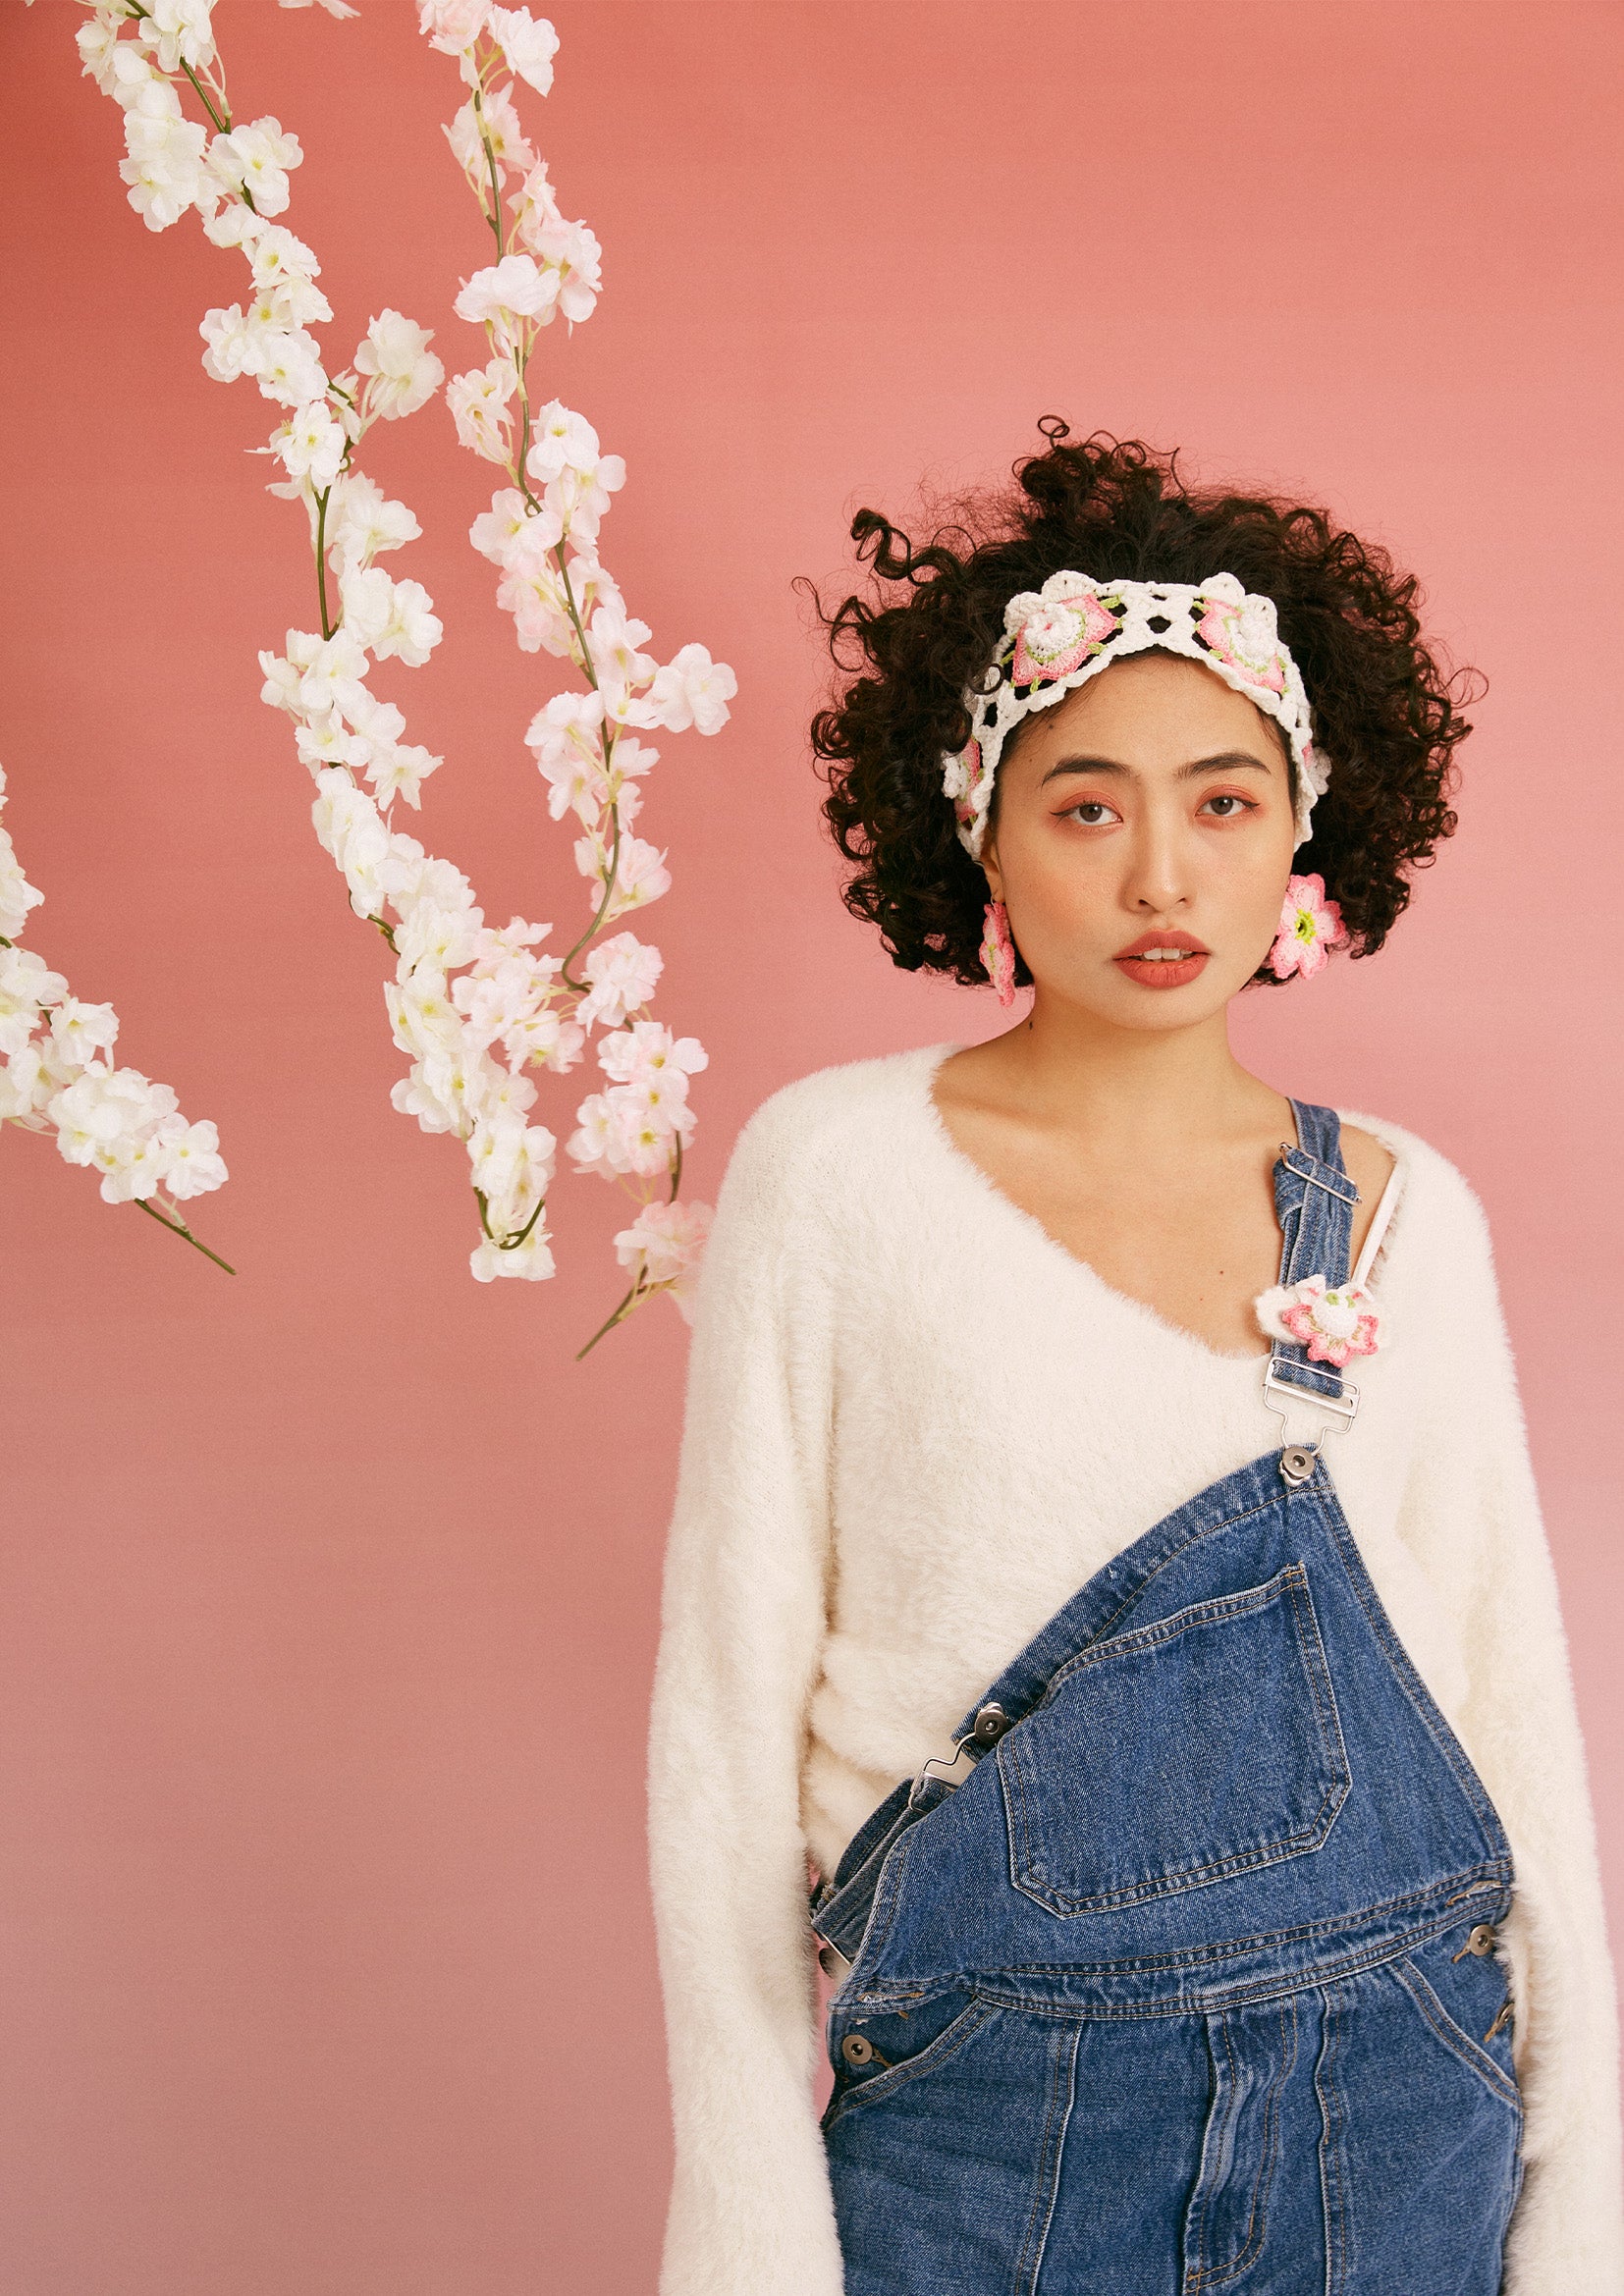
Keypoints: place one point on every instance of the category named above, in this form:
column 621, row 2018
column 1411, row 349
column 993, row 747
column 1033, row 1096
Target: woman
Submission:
column 1104, row 1549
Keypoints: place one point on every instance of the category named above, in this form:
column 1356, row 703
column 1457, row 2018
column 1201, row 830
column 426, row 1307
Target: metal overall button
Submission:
column 1480, row 1939
column 991, row 1723
column 1297, row 1462
column 858, row 2049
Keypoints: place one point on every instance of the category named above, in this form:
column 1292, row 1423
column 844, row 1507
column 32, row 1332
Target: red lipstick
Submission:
column 1163, row 960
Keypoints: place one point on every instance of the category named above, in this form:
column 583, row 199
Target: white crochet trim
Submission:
column 1060, row 636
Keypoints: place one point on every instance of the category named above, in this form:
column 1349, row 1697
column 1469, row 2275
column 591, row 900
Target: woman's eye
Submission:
column 1225, row 806
column 1092, row 812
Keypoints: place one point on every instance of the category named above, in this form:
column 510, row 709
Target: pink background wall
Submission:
column 328, row 1595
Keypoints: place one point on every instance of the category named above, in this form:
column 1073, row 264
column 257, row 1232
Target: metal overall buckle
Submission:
column 989, row 1726
column 1299, row 1460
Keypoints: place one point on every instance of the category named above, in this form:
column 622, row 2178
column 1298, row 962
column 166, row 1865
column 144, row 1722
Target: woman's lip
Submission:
column 1164, row 972
column 1170, row 940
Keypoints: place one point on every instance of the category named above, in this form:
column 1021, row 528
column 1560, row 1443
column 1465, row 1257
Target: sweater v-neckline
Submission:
column 930, row 1059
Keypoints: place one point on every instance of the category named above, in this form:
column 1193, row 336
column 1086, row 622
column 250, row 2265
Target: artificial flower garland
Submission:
column 57, row 1074
column 475, row 1007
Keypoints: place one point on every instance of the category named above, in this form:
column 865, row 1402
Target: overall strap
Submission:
column 1314, row 1201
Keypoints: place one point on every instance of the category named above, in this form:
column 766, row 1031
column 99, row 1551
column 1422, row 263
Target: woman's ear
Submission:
column 990, row 868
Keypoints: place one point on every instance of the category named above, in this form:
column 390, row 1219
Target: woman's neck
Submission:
column 1147, row 1090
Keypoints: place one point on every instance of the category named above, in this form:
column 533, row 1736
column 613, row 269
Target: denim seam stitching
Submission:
column 1427, row 1708
column 1332, row 1924
column 1260, row 1989
column 1209, row 1611
column 1030, row 2262
column 1193, row 1538
column 1256, row 2216
column 1201, row 2201
column 887, row 1897
column 1332, row 2198
column 1312, row 1644
column 1195, row 1955
column 1459, row 2042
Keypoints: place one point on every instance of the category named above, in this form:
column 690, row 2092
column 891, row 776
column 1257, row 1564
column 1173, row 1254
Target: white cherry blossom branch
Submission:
column 507, row 997
column 57, row 1074
column 542, row 534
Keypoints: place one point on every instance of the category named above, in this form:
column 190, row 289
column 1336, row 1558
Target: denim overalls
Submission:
column 1180, row 1978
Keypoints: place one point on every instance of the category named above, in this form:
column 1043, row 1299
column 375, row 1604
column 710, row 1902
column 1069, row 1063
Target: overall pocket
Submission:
column 1177, row 1754
column 875, row 2050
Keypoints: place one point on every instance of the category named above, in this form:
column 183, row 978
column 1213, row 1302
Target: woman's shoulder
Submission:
column 849, row 1115
column 1434, row 1195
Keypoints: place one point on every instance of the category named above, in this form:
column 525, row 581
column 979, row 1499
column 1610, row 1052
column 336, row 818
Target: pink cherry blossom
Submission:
column 516, row 288
column 451, row 25
column 668, row 1240
column 478, row 402
column 528, row 45
column 623, row 972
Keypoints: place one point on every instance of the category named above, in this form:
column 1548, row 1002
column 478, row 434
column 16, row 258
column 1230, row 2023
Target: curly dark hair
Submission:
column 1386, row 714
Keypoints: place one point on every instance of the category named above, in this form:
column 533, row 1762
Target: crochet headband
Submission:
column 1058, row 637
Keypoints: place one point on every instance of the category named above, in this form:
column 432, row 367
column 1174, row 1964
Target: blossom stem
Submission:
column 587, row 669
column 221, row 125
column 565, row 974
column 321, row 558
column 620, row 1315
column 179, row 1228
column 494, row 219
column 512, row 1243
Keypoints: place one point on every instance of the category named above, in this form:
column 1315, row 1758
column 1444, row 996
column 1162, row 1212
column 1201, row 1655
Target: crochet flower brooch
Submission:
column 1331, row 1326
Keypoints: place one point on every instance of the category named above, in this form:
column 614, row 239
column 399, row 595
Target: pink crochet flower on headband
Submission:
column 1332, row 1326
column 1057, row 636
column 965, row 779
column 1245, row 636
column 1311, row 926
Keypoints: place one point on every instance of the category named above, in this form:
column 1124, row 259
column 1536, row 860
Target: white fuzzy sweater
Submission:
column 915, row 1425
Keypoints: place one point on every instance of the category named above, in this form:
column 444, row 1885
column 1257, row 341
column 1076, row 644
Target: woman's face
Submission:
column 1149, row 810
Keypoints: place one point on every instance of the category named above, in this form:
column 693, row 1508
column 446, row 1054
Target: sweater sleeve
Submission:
column 1520, row 1725
column 741, row 1625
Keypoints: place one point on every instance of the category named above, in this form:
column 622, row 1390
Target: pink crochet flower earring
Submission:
column 997, row 952
column 1311, row 926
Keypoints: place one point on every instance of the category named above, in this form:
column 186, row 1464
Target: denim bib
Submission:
column 1180, row 1976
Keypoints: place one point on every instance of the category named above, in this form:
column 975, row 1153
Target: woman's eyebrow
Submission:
column 1222, row 762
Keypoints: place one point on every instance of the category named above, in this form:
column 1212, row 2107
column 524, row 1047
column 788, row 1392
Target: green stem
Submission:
column 494, row 219
column 221, row 125
column 179, row 1228
column 588, row 670
column 321, row 558
column 620, row 1315
column 512, row 1243
column 569, row 980
column 135, row 12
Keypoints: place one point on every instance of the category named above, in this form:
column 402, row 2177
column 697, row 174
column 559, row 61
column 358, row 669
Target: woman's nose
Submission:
column 1157, row 880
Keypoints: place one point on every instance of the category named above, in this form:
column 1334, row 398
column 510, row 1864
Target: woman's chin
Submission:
column 1124, row 1003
